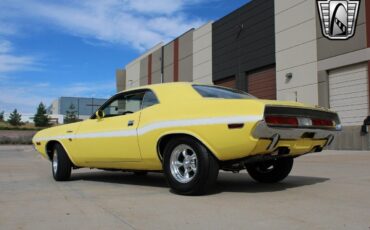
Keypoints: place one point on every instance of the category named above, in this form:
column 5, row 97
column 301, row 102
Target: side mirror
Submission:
column 99, row 114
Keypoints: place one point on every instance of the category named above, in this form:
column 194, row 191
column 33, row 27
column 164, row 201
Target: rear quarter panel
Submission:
column 176, row 118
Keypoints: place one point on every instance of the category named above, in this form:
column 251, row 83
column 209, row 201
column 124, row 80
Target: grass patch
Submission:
column 27, row 126
column 16, row 141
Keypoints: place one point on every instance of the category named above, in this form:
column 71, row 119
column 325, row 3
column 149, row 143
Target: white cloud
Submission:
column 139, row 24
column 170, row 26
column 10, row 62
column 13, row 63
column 156, row 6
column 7, row 29
column 5, row 46
column 20, row 95
column 136, row 23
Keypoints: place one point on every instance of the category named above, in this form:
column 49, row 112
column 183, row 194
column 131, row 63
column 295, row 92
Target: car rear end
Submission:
column 294, row 130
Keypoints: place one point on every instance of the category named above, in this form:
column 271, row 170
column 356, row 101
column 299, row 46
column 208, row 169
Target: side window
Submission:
column 132, row 103
column 114, row 108
column 124, row 104
column 149, row 99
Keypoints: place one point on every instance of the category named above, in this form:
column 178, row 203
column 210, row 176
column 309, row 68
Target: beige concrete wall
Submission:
column 133, row 74
column 156, row 66
column 120, row 79
column 323, row 89
column 144, row 71
column 302, row 50
column 186, row 69
column 186, row 56
column 328, row 48
column 296, row 51
column 133, row 68
column 202, row 54
column 168, row 62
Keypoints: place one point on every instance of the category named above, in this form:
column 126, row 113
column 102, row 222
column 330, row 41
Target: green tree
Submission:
column 70, row 116
column 41, row 119
column 15, row 118
column 2, row 116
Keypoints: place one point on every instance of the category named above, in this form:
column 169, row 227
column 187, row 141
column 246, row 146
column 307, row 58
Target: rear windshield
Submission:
column 221, row 92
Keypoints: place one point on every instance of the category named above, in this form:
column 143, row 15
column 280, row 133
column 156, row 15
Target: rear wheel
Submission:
column 270, row 171
column 61, row 165
column 189, row 167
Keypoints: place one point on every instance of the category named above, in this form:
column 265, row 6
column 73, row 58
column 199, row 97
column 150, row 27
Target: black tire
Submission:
column 63, row 168
column 270, row 171
column 207, row 168
column 140, row 173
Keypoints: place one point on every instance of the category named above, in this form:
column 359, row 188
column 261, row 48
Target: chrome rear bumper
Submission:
column 275, row 134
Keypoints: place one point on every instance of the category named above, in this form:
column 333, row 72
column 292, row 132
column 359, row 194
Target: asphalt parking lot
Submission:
column 330, row 190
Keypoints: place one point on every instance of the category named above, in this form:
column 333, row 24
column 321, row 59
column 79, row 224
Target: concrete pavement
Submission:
column 329, row 190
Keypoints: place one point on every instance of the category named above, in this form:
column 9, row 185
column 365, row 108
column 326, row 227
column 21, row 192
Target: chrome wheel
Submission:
column 183, row 163
column 55, row 162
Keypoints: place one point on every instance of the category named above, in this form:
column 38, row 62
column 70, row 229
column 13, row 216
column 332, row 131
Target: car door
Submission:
column 112, row 137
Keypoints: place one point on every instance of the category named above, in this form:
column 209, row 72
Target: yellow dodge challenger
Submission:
column 189, row 131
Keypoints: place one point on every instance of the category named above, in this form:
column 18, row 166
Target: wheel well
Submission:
column 50, row 147
column 163, row 141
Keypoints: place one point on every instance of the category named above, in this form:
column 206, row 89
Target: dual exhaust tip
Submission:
column 276, row 138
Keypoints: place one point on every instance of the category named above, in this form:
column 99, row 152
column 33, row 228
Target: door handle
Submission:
column 130, row 123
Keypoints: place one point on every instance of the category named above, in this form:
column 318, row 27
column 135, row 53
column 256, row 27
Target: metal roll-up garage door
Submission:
column 262, row 84
column 348, row 93
column 229, row 82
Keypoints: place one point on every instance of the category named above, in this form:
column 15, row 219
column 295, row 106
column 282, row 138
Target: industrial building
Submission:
column 83, row 107
column 273, row 50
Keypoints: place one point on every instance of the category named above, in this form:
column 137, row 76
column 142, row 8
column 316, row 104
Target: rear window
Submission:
column 221, row 92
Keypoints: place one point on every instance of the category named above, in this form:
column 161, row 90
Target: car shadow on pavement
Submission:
column 227, row 182
column 150, row 180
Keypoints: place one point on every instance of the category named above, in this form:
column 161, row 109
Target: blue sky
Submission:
column 59, row 48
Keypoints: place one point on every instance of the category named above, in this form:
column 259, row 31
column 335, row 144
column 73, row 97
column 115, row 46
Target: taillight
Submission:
column 322, row 122
column 279, row 120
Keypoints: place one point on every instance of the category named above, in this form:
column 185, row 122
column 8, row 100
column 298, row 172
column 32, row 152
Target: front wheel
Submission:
column 270, row 171
column 60, row 164
column 189, row 167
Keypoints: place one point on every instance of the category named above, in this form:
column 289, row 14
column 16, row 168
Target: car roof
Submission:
column 162, row 85
column 179, row 91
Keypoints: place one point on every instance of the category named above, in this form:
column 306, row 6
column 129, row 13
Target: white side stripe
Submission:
column 194, row 122
column 159, row 125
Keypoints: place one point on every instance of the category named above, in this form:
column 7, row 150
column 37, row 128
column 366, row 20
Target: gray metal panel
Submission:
column 186, row 45
column 323, row 88
column 156, row 60
column 156, row 77
column 156, row 66
column 237, row 51
column 328, row 48
column 168, row 62
column 186, row 69
column 168, row 54
column 144, row 81
column 168, row 73
column 144, row 71
column 120, row 79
